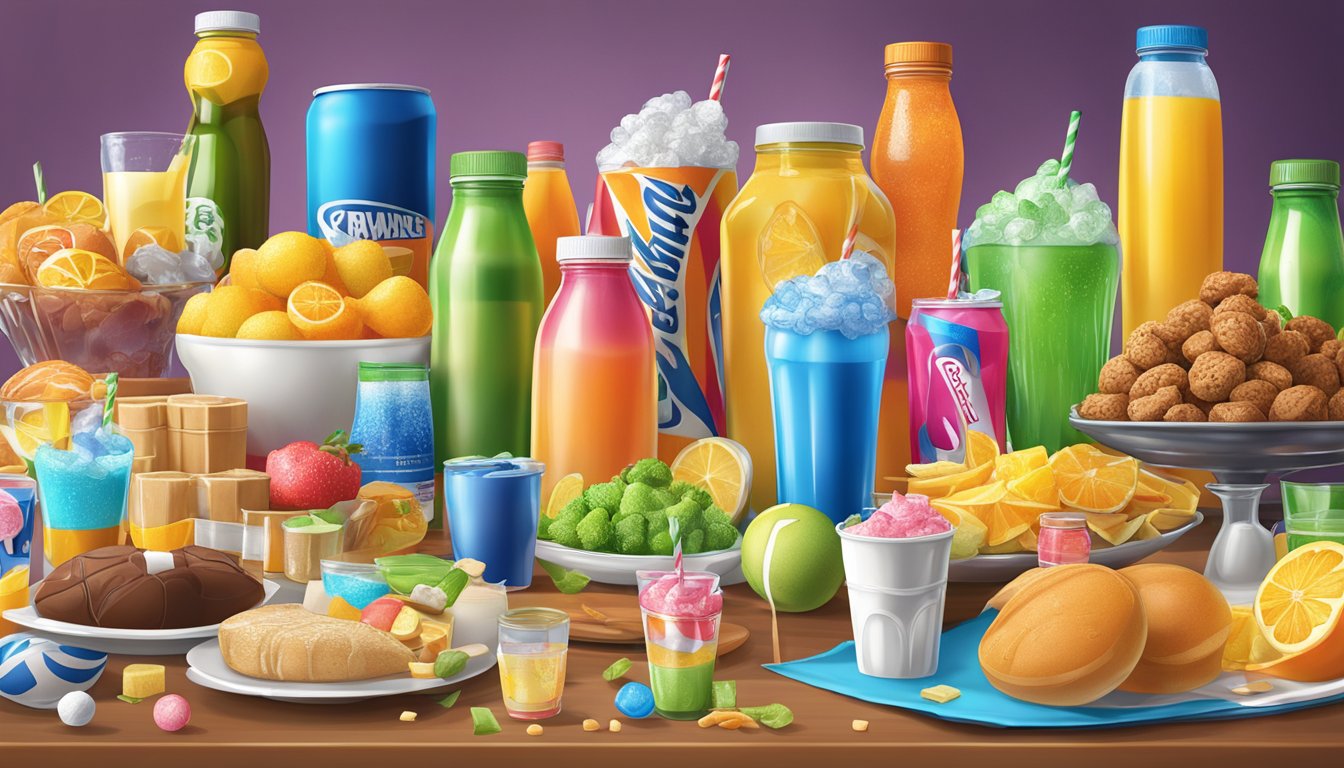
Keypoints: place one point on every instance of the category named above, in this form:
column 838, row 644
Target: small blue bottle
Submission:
column 394, row 426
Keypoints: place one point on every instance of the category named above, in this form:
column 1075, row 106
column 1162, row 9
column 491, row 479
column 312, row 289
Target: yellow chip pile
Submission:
column 995, row 500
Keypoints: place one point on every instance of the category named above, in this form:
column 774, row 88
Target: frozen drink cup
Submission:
column 681, row 634
column 896, row 572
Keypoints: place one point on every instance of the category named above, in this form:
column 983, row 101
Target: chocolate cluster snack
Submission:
column 1223, row 357
column 129, row 588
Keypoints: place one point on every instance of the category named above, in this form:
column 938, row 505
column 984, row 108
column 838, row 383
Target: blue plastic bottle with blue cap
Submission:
column 1171, row 174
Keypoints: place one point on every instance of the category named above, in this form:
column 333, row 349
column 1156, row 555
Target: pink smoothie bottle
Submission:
column 957, row 358
column 594, row 390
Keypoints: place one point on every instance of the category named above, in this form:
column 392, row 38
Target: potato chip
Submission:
column 1170, row 519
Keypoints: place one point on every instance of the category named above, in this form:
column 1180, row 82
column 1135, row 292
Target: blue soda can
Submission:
column 371, row 170
column 492, row 509
column 394, row 428
column 16, row 541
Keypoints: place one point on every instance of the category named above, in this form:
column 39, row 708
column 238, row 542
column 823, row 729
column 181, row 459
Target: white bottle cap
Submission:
column 228, row 21
column 830, row 133
column 592, row 248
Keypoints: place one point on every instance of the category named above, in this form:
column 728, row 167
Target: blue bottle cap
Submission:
column 1172, row 36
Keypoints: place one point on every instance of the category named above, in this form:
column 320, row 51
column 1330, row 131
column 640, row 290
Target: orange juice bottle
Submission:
column 793, row 215
column 1171, row 174
column 917, row 160
column 549, row 204
column 594, row 395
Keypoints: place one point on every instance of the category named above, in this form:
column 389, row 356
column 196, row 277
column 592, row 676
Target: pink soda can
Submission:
column 957, row 360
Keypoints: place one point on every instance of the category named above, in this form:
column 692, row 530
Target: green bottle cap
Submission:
column 1304, row 172
column 393, row 372
column 499, row 164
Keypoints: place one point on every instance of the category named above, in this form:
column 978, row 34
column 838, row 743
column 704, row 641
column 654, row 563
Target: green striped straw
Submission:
column 111, row 401
column 1066, row 161
column 41, row 184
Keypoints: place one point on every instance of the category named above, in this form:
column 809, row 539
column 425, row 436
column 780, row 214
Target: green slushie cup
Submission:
column 1049, row 249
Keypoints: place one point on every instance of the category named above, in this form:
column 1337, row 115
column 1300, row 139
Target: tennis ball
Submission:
column 806, row 569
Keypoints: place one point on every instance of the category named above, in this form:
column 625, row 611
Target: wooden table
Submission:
column 229, row 730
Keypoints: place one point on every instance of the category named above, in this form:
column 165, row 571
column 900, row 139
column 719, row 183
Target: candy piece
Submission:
column 451, row 586
column 11, row 516
column 567, row 582
column 315, row 598
column 635, row 700
column 483, row 722
column 617, row 670
column 473, row 568
column 436, row 636
column 406, row 626
column 940, row 693
column 382, row 613
column 407, row 717
column 450, row 663
column 859, row 726
column 432, row 599
column 448, row 701
column 172, row 713
column 421, row 670
column 772, row 715
column 723, row 694
column 535, row 729
column 140, row 681
column 591, row 725
column 76, row 709
column 130, row 699
column 614, row 726
column 338, row 608
column 728, row 719
column 1259, row 686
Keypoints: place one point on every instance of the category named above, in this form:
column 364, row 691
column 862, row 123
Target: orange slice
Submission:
column 569, row 488
column 1094, row 481
column 1301, row 600
column 720, row 466
column 980, row 448
column 1038, row 485
column 1015, row 464
column 77, row 206
column 78, row 268
column 161, row 236
column 941, row 487
column 321, row 312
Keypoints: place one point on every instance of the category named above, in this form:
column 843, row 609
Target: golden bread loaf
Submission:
column 286, row 642
column 1188, row 625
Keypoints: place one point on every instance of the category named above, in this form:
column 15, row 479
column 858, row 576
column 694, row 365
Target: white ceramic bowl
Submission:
column 295, row 390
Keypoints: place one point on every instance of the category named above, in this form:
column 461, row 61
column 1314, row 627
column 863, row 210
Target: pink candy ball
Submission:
column 172, row 713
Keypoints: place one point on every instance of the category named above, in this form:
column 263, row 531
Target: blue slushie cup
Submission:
column 826, row 345
column 492, row 507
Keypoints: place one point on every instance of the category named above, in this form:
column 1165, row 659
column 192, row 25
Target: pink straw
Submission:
column 954, row 280
column 720, row 74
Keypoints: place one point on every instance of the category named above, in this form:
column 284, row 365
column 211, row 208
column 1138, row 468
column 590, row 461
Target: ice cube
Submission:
column 1019, row 231
column 156, row 265
column 1004, row 202
column 1048, row 168
column 88, row 445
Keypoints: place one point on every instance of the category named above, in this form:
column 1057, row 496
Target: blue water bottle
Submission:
column 394, row 426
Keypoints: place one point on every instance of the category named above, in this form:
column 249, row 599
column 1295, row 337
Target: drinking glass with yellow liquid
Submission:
column 533, row 646
column 145, row 187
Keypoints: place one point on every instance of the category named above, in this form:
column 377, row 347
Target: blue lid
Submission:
column 1179, row 36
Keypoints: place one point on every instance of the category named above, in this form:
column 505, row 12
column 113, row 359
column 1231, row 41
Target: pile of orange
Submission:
column 62, row 243
column 297, row 287
column 996, row 500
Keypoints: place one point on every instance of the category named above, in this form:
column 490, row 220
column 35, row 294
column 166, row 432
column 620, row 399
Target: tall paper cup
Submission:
column 897, row 589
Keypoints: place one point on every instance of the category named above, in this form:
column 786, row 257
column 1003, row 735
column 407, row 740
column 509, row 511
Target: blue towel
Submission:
column 981, row 703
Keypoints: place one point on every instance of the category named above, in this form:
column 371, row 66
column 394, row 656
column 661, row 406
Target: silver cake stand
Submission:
column 1241, row 456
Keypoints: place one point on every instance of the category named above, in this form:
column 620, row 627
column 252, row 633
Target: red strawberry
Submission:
column 305, row 475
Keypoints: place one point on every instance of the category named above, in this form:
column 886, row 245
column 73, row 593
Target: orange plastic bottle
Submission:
column 549, row 204
column 917, row 160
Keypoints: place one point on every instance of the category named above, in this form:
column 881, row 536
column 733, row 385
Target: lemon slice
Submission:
column 569, row 488
column 49, row 424
column 1015, row 464
column 720, row 466
column 1300, row 602
column 77, row 206
column 789, row 246
column 14, row 580
column 934, row 470
column 1094, row 481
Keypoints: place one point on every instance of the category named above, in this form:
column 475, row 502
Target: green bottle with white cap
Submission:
column 485, row 286
column 1302, row 265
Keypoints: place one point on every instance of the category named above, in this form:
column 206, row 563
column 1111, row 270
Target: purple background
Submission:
column 504, row 72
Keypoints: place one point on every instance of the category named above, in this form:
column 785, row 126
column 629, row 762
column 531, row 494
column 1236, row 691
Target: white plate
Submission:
column 130, row 642
column 209, row 671
column 608, row 568
column 1009, row 567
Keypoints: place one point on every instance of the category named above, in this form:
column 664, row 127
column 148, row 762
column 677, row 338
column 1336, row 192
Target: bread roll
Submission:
column 1188, row 625
column 285, row 642
column 1069, row 636
column 129, row 588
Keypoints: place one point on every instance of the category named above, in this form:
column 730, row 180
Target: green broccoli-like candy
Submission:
column 603, row 496
column 664, row 498
column 619, row 482
column 651, row 472
column 678, row 488
column 657, row 519
column 543, row 528
column 563, row 532
column 630, row 535
column 714, row 514
column 694, row 542
column 719, row 536
column 684, row 490
column 596, row 531
column 688, row 516
column 640, row 499
column 574, row 511
column 660, row 543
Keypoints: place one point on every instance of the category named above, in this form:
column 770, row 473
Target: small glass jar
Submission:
column 1063, row 540
column 533, row 645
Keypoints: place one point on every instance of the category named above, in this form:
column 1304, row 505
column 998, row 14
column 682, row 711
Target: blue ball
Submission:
column 635, row 700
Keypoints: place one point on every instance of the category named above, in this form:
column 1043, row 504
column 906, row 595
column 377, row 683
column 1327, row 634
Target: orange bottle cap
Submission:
column 918, row 57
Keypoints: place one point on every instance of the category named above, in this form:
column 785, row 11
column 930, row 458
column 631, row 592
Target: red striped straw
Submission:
column 720, row 74
column 954, row 280
column 847, row 248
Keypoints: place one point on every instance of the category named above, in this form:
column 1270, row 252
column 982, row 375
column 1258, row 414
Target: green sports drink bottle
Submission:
column 485, row 286
column 229, row 187
column 1302, row 265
